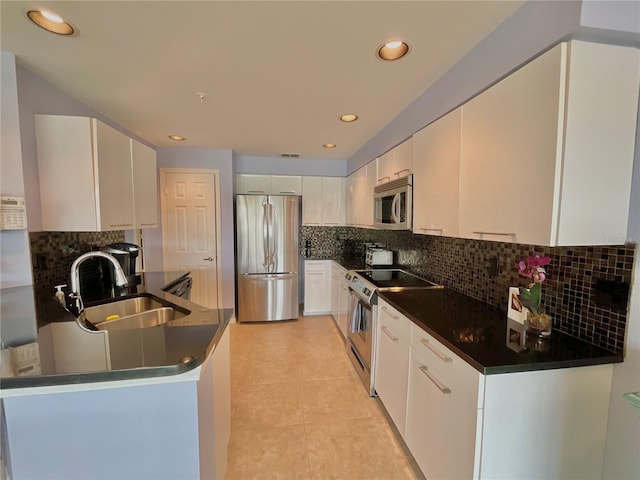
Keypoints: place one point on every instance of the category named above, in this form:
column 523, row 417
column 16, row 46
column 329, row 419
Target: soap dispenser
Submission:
column 60, row 295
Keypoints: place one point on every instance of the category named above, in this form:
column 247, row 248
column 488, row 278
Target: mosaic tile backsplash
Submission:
column 52, row 254
column 569, row 294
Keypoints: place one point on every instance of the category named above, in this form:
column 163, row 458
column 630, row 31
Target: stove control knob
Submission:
column 366, row 291
column 354, row 280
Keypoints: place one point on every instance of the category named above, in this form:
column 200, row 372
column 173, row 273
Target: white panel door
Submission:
column 190, row 224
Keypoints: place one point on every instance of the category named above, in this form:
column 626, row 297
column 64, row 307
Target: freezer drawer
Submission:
column 267, row 298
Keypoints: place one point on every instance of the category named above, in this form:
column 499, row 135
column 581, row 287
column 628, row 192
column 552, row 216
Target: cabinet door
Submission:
column 312, row 201
column 65, row 158
column 402, row 159
column 392, row 363
column 335, row 293
column 366, row 206
column 316, row 284
column 436, row 172
column 286, row 185
column 258, row 184
column 332, row 201
column 115, row 182
column 386, row 167
column 442, row 410
column 396, row 163
column 511, row 140
column 145, row 185
column 343, row 315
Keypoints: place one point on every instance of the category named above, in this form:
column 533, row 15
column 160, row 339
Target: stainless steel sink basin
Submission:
column 142, row 311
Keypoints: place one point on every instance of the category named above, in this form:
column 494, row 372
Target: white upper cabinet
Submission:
column 436, row 171
column 84, row 167
column 333, row 190
column 258, row 184
column 145, row 185
column 396, row 163
column 359, row 190
column 312, row 201
column 323, row 201
column 547, row 153
column 286, row 185
column 269, row 184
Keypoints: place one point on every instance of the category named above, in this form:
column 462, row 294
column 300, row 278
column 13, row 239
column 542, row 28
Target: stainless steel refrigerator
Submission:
column 267, row 257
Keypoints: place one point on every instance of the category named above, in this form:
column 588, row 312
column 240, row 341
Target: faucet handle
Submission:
column 76, row 301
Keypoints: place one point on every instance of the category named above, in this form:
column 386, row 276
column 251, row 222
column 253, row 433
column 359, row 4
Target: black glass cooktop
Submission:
column 393, row 278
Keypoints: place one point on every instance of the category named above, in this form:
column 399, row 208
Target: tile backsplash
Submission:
column 569, row 293
column 52, row 254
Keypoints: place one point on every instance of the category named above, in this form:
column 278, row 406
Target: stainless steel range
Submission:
column 364, row 286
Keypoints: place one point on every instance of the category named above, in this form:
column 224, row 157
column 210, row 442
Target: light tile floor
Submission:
column 299, row 411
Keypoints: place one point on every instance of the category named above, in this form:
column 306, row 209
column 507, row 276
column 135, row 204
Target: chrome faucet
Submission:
column 120, row 277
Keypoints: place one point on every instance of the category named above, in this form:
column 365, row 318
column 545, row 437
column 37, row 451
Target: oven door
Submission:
column 360, row 328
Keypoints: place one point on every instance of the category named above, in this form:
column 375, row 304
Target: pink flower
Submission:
column 538, row 261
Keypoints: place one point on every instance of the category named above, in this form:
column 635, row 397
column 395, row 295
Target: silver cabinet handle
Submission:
column 438, row 353
column 386, row 330
column 380, row 179
column 403, row 170
column 385, row 310
column 311, row 223
column 209, row 259
column 121, row 225
column 255, row 191
column 444, row 389
column 508, row 234
column 148, row 224
column 291, row 191
column 433, row 229
column 331, row 223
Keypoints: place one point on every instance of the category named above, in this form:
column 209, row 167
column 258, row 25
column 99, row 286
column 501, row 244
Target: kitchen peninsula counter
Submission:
column 70, row 355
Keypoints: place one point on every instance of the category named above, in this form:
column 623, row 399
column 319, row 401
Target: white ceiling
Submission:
column 277, row 74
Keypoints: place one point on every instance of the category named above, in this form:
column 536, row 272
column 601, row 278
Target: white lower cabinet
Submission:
column 442, row 409
column 461, row 424
column 338, row 302
column 392, row 369
column 317, row 287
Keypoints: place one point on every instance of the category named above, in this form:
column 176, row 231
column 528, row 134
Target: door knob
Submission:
column 210, row 259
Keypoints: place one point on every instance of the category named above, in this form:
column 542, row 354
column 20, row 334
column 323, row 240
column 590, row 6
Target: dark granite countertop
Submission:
column 477, row 332
column 71, row 355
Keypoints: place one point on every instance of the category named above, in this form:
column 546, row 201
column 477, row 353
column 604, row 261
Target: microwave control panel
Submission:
column 13, row 213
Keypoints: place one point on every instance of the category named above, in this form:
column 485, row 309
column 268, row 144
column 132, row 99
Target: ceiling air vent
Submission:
column 290, row 155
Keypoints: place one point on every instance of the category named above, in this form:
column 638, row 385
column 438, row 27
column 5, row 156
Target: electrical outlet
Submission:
column 493, row 266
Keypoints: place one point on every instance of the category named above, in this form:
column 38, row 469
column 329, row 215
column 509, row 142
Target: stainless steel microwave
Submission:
column 393, row 207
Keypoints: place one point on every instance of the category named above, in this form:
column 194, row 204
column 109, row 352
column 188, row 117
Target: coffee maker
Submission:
column 126, row 254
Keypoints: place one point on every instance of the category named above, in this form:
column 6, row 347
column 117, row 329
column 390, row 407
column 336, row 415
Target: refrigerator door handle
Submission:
column 265, row 237
column 274, row 240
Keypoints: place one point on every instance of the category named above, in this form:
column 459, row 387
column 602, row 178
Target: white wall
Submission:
column 290, row 166
column 15, row 257
column 181, row 157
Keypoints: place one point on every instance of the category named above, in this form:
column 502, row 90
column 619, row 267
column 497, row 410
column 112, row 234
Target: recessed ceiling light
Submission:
column 393, row 50
column 50, row 22
column 349, row 117
column 177, row 138
column 329, row 145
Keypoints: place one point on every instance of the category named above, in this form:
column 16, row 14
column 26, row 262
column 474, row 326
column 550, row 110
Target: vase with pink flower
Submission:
column 537, row 322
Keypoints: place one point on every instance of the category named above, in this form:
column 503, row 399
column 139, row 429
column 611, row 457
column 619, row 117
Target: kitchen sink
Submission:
column 141, row 311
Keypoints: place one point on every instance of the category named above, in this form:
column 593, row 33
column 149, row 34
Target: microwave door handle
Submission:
column 394, row 208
